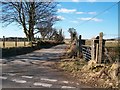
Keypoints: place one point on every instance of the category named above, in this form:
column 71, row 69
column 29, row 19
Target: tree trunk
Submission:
column 31, row 22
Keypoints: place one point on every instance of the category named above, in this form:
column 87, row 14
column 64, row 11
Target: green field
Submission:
column 12, row 44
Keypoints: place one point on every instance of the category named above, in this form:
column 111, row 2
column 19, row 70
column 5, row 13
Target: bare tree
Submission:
column 73, row 34
column 51, row 33
column 28, row 14
column 59, row 37
column 45, row 27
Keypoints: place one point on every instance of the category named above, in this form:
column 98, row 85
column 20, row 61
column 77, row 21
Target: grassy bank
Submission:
column 90, row 73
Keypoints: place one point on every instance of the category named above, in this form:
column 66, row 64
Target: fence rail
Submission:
column 86, row 52
column 13, row 42
column 99, row 49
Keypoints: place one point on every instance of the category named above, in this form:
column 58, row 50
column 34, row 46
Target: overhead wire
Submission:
column 99, row 14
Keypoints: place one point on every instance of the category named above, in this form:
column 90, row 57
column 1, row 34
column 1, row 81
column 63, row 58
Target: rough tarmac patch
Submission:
column 42, row 84
column 19, row 81
column 51, row 80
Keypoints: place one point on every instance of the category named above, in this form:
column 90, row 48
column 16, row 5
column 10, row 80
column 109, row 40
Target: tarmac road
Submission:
column 34, row 70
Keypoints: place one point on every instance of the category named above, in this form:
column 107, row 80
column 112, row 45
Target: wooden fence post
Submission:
column 3, row 41
column 93, row 49
column 80, row 45
column 100, row 48
column 96, row 52
column 80, row 42
column 24, row 42
column 16, row 42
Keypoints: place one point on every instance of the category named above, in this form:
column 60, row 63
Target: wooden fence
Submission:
column 95, row 51
column 13, row 42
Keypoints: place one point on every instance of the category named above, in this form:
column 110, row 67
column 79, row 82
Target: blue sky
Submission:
column 75, row 14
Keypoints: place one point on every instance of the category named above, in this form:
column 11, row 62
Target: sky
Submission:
column 75, row 14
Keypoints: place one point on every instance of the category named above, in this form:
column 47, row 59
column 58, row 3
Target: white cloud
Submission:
column 74, row 22
column 94, row 19
column 75, row 0
column 92, row 13
column 64, row 10
column 60, row 17
column 80, row 12
column 91, row 0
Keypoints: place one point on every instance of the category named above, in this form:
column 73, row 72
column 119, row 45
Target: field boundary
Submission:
column 13, row 51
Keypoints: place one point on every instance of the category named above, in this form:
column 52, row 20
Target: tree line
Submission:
column 34, row 17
